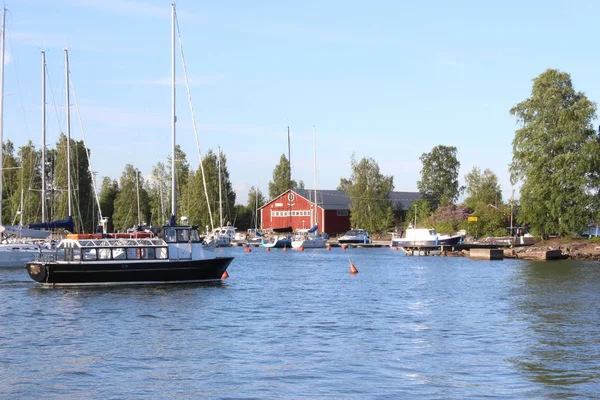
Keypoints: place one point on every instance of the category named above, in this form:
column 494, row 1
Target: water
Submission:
column 289, row 325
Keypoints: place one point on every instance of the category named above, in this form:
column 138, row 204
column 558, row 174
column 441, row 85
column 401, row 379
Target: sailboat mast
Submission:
column 43, row 136
column 290, row 177
column 315, row 174
column 1, row 108
column 68, row 107
column 137, row 189
column 220, row 201
column 173, row 119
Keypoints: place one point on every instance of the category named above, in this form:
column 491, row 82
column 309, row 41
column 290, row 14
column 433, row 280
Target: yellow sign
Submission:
column 472, row 219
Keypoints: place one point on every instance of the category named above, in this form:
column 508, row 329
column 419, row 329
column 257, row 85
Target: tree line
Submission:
column 556, row 162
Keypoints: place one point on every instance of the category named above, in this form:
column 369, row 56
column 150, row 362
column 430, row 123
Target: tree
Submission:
column 482, row 188
column 29, row 184
column 369, row 190
column 108, row 194
column 556, row 156
column 126, row 212
column 10, row 181
column 255, row 200
column 282, row 179
column 439, row 176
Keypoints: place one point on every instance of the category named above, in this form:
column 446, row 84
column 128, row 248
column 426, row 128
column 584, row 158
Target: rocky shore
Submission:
column 572, row 249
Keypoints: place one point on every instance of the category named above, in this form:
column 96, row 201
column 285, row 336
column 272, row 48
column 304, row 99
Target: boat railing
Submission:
column 45, row 258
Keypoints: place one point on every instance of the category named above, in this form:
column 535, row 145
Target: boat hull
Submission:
column 403, row 242
column 278, row 244
column 129, row 272
column 354, row 241
column 309, row 244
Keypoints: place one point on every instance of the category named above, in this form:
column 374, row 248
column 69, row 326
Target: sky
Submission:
column 388, row 80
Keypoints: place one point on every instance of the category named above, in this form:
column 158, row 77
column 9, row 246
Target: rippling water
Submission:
column 298, row 325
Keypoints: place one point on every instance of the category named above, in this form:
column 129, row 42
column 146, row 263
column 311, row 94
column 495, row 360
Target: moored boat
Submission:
column 181, row 257
column 424, row 237
column 309, row 239
column 355, row 236
column 279, row 241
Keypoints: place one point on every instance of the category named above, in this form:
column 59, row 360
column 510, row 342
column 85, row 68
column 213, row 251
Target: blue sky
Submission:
column 383, row 79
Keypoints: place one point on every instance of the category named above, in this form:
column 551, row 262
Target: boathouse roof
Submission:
column 339, row 200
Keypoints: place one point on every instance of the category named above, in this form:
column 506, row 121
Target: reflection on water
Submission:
column 557, row 303
column 290, row 325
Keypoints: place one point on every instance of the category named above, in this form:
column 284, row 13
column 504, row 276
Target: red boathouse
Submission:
column 295, row 208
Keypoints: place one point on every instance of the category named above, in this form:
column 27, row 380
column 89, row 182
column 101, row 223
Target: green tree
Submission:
column 369, row 191
column 126, row 212
column 482, row 188
column 182, row 173
column 282, row 179
column 255, row 201
column 82, row 191
column 10, row 182
column 29, row 184
column 419, row 211
column 491, row 221
column 159, row 194
column 439, row 176
column 556, row 156
column 108, row 194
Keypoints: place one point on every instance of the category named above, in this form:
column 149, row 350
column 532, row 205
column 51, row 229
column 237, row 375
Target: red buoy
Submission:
column 328, row 248
column 353, row 269
column 285, row 249
column 395, row 248
column 225, row 275
column 343, row 247
column 268, row 249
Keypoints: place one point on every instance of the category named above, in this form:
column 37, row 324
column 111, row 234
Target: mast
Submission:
column 68, row 107
column 220, row 201
column 1, row 108
column 315, row 174
column 290, row 176
column 137, row 189
column 173, row 119
column 43, row 136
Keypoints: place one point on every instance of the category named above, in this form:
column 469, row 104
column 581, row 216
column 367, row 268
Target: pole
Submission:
column 315, row 174
column 220, row 201
column 290, row 176
column 2, row 107
column 43, row 136
column 137, row 189
column 173, row 119
column 68, row 107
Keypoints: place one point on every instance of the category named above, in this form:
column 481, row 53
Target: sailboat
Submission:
column 19, row 244
column 224, row 234
column 311, row 239
column 179, row 257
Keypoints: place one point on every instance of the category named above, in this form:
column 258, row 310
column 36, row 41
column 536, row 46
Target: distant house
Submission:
column 295, row 209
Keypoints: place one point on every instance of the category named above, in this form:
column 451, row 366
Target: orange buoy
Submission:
column 353, row 269
column 395, row 248
column 328, row 248
column 225, row 275
column 248, row 249
column 285, row 249
column 268, row 249
column 343, row 247
column 301, row 248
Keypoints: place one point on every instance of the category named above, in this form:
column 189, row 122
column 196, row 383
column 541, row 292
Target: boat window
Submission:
column 133, row 253
column 89, row 254
column 432, row 232
column 170, row 235
column 104, row 254
column 76, row 254
column 162, row 253
column 194, row 235
column 183, row 235
column 148, row 253
column 61, row 254
column 118, row 253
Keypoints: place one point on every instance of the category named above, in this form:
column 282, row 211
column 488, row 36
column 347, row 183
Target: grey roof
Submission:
column 339, row 200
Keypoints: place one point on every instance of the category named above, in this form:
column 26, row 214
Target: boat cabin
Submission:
column 107, row 249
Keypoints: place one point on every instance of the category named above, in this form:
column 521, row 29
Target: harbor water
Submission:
column 291, row 325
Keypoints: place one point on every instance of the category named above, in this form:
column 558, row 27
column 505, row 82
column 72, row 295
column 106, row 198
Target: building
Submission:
column 295, row 209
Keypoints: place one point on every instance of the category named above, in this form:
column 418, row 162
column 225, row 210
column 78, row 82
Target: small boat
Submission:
column 309, row 239
column 423, row 237
column 224, row 235
column 89, row 260
column 278, row 241
column 355, row 236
